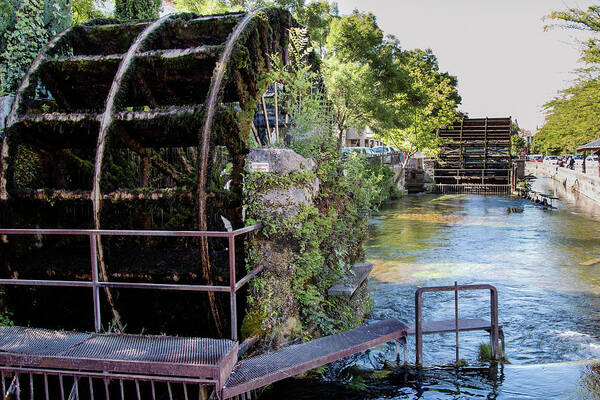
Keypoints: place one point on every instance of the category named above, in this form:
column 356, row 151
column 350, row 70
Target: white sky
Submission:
column 505, row 63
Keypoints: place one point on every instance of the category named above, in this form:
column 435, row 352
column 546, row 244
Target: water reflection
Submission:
column 577, row 381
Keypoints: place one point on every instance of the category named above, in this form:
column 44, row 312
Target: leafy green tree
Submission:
column 571, row 117
column 362, row 73
column 84, row 10
column 587, row 20
column 348, row 89
column 517, row 144
column 317, row 16
column 432, row 106
column 204, row 7
column 137, row 9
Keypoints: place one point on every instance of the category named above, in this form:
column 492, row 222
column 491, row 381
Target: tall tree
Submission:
column 362, row 73
column 317, row 16
column 137, row 9
column 571, row 117
column 432, row 105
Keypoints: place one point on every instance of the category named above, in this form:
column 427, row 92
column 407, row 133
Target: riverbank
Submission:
column 575, row 183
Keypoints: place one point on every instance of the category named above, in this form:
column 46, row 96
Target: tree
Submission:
column 362, row 73
column 84, row 10
column 432, row 106
column 571, row 117
column 517, row 144
column 204, row 6
column 585, row 20
column 127, row 10
column 316, row 16
column 348, row 89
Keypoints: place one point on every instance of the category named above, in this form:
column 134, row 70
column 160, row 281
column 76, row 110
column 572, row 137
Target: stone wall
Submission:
column 303, row 248
column 587, row 185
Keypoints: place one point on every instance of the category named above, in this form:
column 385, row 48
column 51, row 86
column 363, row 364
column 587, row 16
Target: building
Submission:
column 362, row 138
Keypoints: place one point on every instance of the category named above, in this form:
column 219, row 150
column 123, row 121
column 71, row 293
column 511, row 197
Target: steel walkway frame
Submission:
column 95, row 284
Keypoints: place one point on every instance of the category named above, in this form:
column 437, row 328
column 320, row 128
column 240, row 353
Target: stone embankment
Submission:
column 573, row 181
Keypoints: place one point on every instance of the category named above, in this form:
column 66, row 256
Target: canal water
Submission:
column 545, row 264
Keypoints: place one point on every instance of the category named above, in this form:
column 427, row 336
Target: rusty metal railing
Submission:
column 96, row 284
column 494, row 326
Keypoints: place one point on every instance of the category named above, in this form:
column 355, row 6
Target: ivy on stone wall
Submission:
column 23, row 43
column 25, row 29
column 325, row 239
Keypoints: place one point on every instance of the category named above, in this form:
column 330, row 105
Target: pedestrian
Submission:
column 571, row 162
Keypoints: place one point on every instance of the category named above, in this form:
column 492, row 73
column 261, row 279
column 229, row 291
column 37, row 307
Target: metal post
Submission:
column 494, row 322
column 456, row 317
column 418, row 327
column 232, row 300
column 95, row 287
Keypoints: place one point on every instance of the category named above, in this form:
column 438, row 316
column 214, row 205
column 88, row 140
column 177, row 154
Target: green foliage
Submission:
column 25, row 29
column 317, row 16
column 571, row 117
column 204, row 7
column 84, row 10
column 485, row 354
column 128, row 10
column 355, row 38
column 301, row 98
column 517, row 144
column 433, row 106
column 327, row 236
column 23, row 43
column 358, row 72
column 8, row 10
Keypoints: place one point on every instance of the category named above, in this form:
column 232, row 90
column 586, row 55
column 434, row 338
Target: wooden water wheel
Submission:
column 140, row 125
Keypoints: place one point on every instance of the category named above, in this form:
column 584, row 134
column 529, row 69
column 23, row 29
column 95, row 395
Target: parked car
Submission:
column 363, row 151
column 591, row 160
column 551, row 160
column 578, row 159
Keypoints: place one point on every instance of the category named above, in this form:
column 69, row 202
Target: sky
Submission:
column 505, row 63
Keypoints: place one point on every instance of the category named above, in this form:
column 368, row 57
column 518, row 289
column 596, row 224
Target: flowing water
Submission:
column 545, row 264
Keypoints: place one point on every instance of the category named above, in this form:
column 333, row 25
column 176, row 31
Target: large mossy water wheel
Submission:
column 141, row 125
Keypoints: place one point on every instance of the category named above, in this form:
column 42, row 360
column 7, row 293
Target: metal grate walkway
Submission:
column 212, row 359
column 259, row 371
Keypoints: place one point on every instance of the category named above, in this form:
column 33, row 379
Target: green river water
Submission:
column 542, row 262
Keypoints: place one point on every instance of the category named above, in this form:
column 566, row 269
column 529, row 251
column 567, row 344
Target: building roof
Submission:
column 594, row 145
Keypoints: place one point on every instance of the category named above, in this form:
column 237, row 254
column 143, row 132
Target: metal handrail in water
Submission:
column 494, row 326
